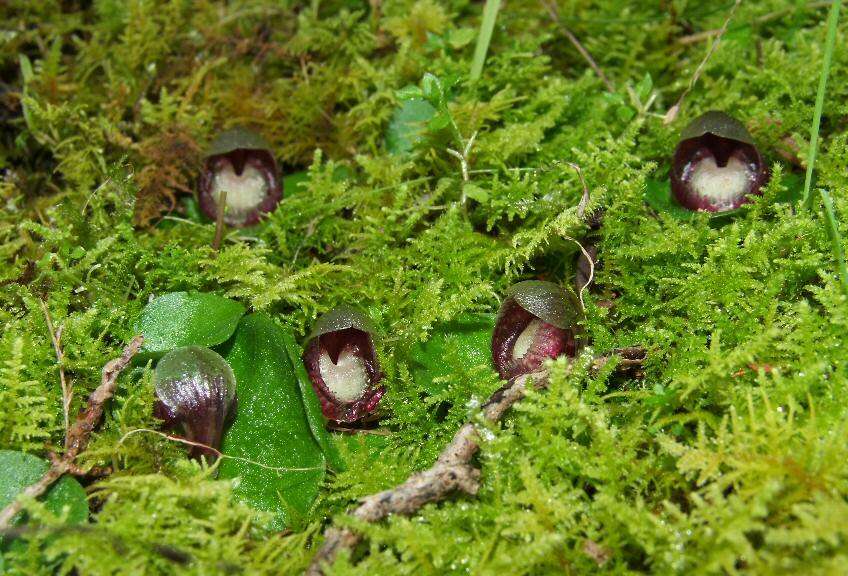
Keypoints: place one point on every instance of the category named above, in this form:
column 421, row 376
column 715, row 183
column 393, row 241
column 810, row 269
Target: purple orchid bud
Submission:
column 716, row 166
column 537, row 321
column 239, row 162
column 196, row 392
column 342, row 364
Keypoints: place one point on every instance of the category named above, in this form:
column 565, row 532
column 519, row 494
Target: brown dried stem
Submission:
column 67, row 389
column 672, row 113
column 453, row 471
column 79, row 434
column 219, row 221
column 553, row 11
column 705, row 34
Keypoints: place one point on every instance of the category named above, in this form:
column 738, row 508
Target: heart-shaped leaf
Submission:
column 277, row 458
column 18, row 470
column 313, row 406
column 186, row 319
column 408, row 126
column 292, row 182
column 461, row 344
column 658, row 196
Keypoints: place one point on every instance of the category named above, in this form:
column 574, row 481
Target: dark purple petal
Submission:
column 716, row 166
column 196, row 392
column 240, row 163
column 341, row 361
column 537, row 321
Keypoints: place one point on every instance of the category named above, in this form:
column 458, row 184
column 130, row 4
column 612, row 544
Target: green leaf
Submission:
column 475, row 192
column 434, row 42
column 439, row 122
column 312, row 405
column 793, row 188
column 280, row 465
column 292, row 182
column 487, row 28
column 832, row 225
column 26, row 68
column 458, row 345
column 408, row 126
column 461, row 37
column 658, row 196
column 432, row 89
column 18, row 470
column 625, row 113
column 192, row 209
column 644, row 87
column 832, row 25
column 410, row 92
column 186, row 318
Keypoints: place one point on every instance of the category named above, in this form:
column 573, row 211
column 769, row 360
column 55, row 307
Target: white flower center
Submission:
column 347, row 380
column 244, row 192
column 722, row 185
column 525, row 339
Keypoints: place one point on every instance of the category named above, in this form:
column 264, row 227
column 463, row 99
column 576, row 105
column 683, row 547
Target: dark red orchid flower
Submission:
column 537, row 321
column 342, row 364
column 716, row 166
column 196, row 392
column 239, row 162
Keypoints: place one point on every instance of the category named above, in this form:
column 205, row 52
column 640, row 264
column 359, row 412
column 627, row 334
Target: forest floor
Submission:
column 419, row 187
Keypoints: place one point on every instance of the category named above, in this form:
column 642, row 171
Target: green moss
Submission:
column 729, row 456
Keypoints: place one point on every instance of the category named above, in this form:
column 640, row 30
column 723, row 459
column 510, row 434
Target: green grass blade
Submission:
column 490, row 15
column 832, row 22
column 835, row 237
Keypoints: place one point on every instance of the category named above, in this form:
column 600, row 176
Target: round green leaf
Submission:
column 461, row 344
column 408, row 126
column 313, row 406
column 182, row 319
column 659, row 197
column 18, row 470
column 280, row 465
column 292, row 182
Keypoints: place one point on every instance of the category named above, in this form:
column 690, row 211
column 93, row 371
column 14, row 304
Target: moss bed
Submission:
column 727, row 455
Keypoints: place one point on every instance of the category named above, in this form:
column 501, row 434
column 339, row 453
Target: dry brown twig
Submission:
column 67, row 389
column 453, row 471
column 672, row 113
column 705, row 34
column 79, row 433
column 553, row 11
column 581, row 213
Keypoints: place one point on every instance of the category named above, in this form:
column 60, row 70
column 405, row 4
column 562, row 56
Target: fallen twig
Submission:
column 79, row 433
column 452, row 471
column 67, row 390
column 672, row 113
column 553, row 11
column 705, row 34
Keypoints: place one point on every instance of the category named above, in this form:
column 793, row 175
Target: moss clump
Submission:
column 728, row 457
